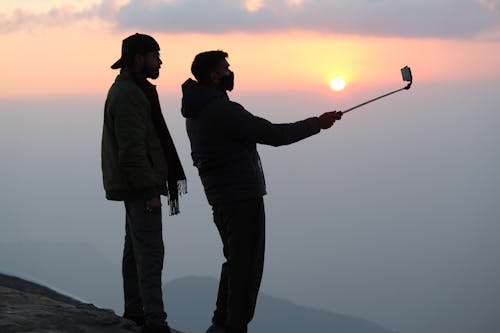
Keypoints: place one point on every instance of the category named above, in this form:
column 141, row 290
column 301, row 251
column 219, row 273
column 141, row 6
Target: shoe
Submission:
column 162, row 329
column 215, row 329
column 139, row 320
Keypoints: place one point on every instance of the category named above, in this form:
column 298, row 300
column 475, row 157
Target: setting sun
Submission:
column 337, row 84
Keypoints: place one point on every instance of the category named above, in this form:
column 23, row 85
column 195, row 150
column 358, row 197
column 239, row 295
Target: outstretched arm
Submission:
column 243, row 124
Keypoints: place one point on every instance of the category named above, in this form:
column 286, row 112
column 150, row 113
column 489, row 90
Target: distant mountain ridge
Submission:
column 192, row 301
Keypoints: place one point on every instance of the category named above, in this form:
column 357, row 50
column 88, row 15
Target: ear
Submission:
column 214, row 78
column 138, row 59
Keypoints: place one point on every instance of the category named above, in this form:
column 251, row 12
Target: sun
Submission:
column 337, row 84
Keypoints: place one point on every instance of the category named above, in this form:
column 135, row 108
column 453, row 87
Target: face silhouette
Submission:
column 223, row 77
column 151, row 65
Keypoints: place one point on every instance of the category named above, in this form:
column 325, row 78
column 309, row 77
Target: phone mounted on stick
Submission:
column 407, row 76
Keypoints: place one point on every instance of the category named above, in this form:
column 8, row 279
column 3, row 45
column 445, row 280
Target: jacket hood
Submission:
column 196, row 96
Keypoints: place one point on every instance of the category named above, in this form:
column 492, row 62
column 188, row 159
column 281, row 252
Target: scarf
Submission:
column 176, row 179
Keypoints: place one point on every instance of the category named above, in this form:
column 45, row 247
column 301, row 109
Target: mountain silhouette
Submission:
column 28, row 307
column 191, row 302
column 31, row 307
column 76, row 269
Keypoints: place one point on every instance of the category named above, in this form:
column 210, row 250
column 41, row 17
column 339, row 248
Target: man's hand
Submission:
column 153, row 205
column 327, row 119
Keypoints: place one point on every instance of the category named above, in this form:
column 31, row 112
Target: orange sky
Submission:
column 75, row 60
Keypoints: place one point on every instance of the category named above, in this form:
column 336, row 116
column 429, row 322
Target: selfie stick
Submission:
column 405, row 72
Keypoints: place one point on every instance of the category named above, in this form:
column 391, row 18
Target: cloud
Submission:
column 254, row 5
column 22, row 19
column 411, row 18
column 490, row 4
column 62, row 16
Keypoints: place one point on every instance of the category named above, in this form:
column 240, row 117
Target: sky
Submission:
column 392, row 215
column 293, row 44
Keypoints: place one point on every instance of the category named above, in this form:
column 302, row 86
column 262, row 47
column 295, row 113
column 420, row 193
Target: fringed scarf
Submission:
column 176, row 182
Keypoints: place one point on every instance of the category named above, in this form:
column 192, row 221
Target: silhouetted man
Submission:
column 223, row 139
column 140, row 163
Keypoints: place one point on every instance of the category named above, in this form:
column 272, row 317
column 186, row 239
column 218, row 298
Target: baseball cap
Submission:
column 135, row 44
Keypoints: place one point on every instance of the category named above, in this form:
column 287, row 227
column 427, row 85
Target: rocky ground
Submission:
column 28, row 308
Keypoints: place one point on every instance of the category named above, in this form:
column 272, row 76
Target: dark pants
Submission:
column 142, row 264
column 241, row 227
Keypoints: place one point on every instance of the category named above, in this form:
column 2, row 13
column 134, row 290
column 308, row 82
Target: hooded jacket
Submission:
column 132, row 158
column 223, row 138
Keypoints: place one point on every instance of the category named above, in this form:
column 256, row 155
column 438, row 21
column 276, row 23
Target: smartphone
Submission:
column 406, row 73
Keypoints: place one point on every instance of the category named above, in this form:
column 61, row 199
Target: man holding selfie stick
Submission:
column 223, row 138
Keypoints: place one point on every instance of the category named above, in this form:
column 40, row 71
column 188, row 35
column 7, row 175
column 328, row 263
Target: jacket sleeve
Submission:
column 242, row 124
column 131, row 129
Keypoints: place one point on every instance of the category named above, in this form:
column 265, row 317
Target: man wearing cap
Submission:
column 139, row 164
column 224, row 138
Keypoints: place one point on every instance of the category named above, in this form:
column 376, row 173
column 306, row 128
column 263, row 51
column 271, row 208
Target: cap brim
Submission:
column 118, row 64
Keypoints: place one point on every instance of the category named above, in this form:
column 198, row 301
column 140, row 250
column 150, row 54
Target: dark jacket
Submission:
column 223, row 138
column 132, row 159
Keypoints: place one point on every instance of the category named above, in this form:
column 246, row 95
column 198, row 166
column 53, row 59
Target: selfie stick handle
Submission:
column 376, row 98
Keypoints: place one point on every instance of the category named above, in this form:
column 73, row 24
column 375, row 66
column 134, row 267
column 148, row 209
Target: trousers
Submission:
column 142, row 264
column 241, row 227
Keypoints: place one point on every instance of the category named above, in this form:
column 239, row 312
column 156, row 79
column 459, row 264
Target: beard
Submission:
column 227, row 82
column 151, row 72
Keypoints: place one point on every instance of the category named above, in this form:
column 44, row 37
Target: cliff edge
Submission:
column 29, row 307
